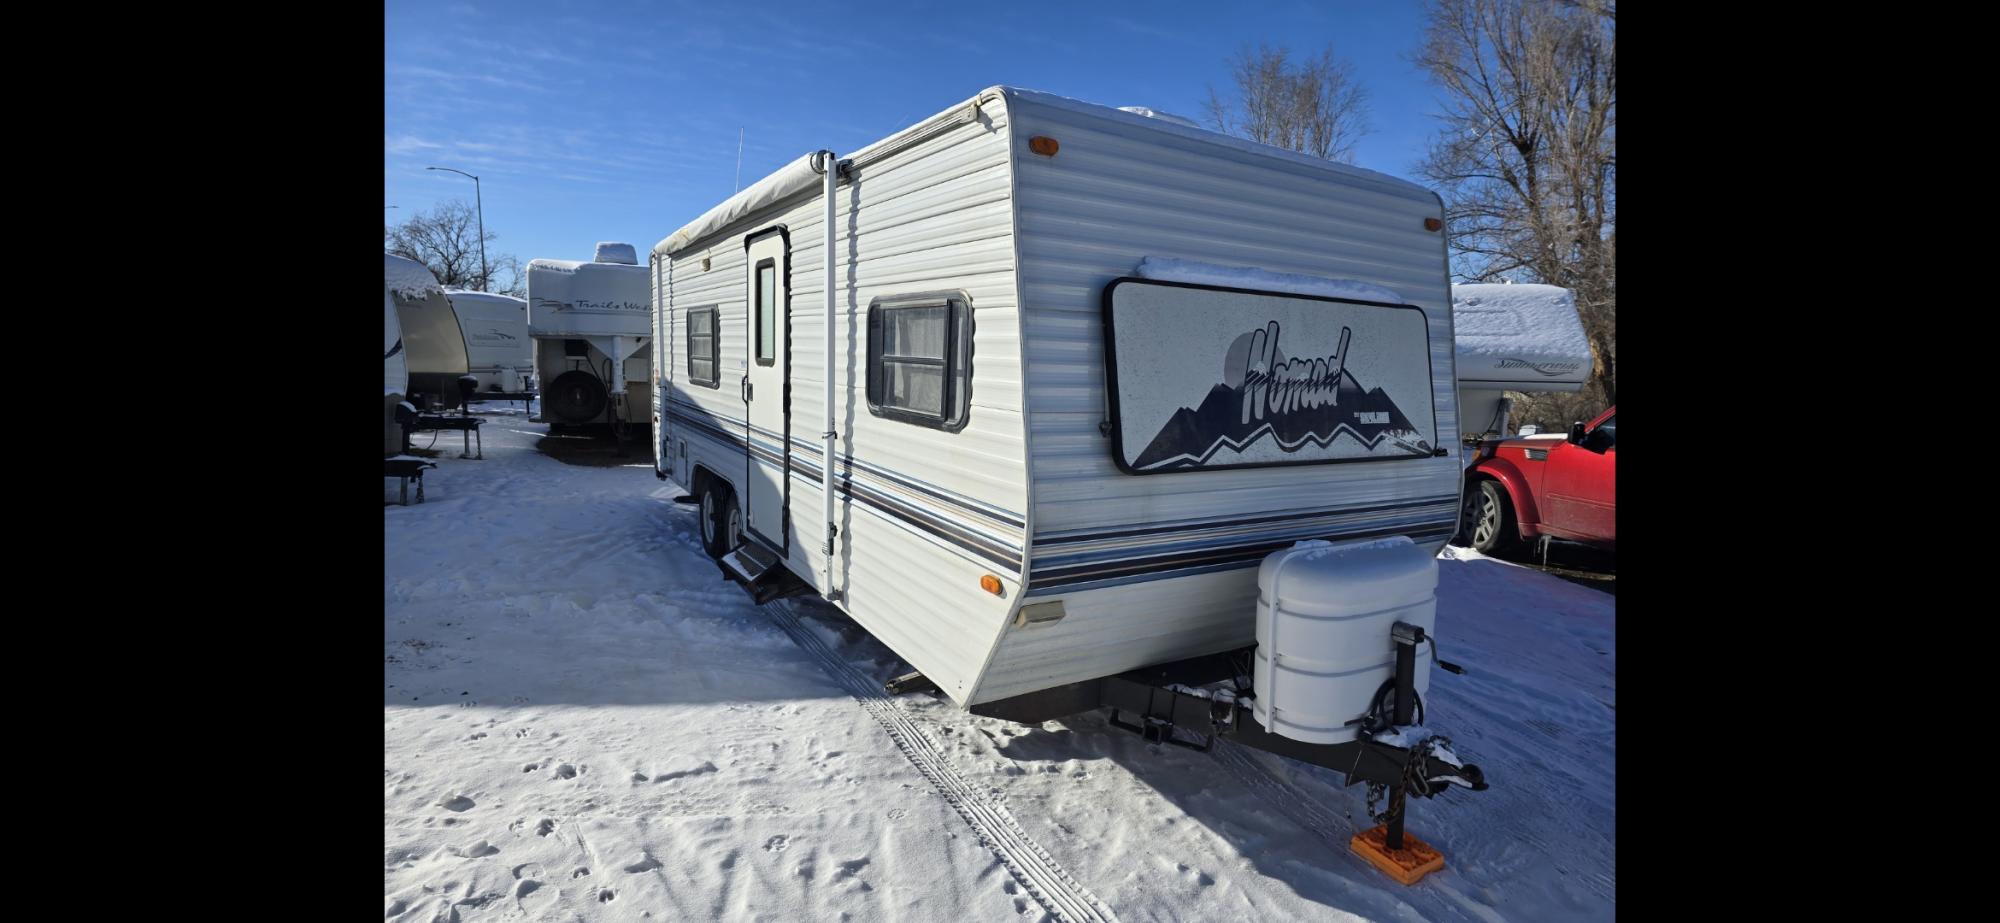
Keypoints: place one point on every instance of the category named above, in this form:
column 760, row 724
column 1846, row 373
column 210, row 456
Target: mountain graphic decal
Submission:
column 1266, row 398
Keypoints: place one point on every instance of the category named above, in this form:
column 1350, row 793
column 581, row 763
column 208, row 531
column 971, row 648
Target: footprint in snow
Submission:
column 565, row 771
column 477, row 850
column 645, row 864
column 777, row 843
column 457, row 803
column 851, row 868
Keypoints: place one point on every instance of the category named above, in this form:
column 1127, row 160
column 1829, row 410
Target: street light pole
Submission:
column 480, row 202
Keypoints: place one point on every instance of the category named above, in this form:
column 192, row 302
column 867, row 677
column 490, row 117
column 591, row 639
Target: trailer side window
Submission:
column 919, row 359
column 701, row 346
column 767, row 312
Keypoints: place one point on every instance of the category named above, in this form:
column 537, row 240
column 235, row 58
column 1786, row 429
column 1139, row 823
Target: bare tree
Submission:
column 446, row 239
column 1527, row 155
column 509, row 276
column 1315, row 106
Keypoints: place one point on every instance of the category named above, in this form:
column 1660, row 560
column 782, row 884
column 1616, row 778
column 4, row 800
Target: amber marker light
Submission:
column 1043, row 145
column 990, row 584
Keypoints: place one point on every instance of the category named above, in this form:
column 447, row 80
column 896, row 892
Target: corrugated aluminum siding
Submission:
column 930, row 511
column 1118, row 192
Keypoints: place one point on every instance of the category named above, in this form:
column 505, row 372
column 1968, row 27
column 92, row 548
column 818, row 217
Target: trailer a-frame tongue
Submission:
column 1169, row 704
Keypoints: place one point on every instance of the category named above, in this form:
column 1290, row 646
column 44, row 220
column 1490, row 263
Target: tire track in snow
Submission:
column 1046, row 880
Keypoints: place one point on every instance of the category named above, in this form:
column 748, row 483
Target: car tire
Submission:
column 1489, row 520
column 721, row 521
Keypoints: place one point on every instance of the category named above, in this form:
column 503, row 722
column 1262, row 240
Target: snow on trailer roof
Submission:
column 800, row 175
column 459, row 294
column 1518, row 333
column 574, row 265
column 616, row 251
column 408, row 278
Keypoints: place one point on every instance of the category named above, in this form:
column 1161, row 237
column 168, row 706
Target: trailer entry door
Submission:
column 766, row 389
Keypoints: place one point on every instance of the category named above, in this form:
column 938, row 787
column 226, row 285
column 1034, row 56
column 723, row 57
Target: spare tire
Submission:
column 576, row 396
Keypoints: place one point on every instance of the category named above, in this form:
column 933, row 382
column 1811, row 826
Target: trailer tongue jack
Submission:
column 1165, row 704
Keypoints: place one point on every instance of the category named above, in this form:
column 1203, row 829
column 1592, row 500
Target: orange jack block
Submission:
column 1415, row 860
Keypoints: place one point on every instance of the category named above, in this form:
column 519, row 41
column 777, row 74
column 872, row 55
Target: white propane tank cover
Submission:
column 616, row 252
column 1324, row 612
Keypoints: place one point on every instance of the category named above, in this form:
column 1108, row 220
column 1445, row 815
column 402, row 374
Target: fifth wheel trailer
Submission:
column 1525, row 338
column 593, row 345
column 497, row 349
column 1079, row 377
column 433, row 345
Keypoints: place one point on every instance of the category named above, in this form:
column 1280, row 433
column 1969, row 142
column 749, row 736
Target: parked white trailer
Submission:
column 593, row 340
column 1525, row 338
column 395, row 373
column 1100, row 363
column 497, row 348
column 433, row 344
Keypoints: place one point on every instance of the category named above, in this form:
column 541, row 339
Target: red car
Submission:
column 1528, row 486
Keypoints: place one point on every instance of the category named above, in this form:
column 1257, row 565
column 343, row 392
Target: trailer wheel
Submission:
column 721, row 521
column 1489, row 519
column 576, row 396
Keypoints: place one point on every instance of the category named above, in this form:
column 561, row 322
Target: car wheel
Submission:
column 1489, row 520
column 721, row 521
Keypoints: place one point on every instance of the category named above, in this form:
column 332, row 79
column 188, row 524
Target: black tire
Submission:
column 576, row 396
column 1489, row 519
column 721, row 522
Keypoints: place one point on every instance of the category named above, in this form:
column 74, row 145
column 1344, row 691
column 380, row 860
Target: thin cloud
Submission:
column 409, row 144
column 432, row 73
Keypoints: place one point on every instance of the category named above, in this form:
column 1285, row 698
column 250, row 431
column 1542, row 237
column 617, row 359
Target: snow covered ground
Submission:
column 582, row 721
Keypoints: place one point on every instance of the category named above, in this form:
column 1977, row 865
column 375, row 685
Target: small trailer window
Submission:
column 767, row 312
column 701, row 346
column 919, row 359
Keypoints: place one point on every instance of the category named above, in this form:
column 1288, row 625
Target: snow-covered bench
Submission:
column 463, row 422
column 408, row 468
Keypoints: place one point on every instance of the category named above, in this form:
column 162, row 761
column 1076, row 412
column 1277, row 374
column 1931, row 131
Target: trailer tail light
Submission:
column 1043, row 145
column 990, row 584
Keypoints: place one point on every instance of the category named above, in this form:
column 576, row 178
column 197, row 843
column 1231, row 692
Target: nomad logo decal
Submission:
column 393, row 350
column 1550, row 369
column 494, row 334
column 1292, row 402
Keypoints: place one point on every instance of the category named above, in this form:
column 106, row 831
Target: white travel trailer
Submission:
column 1525, row 338
column 593, row 340
column 497, row 349
column 984, row 424
column 433, row 345
column 395, row 373
column 1090, row 369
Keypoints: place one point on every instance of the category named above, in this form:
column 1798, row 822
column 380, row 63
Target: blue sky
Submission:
column 590, row 121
